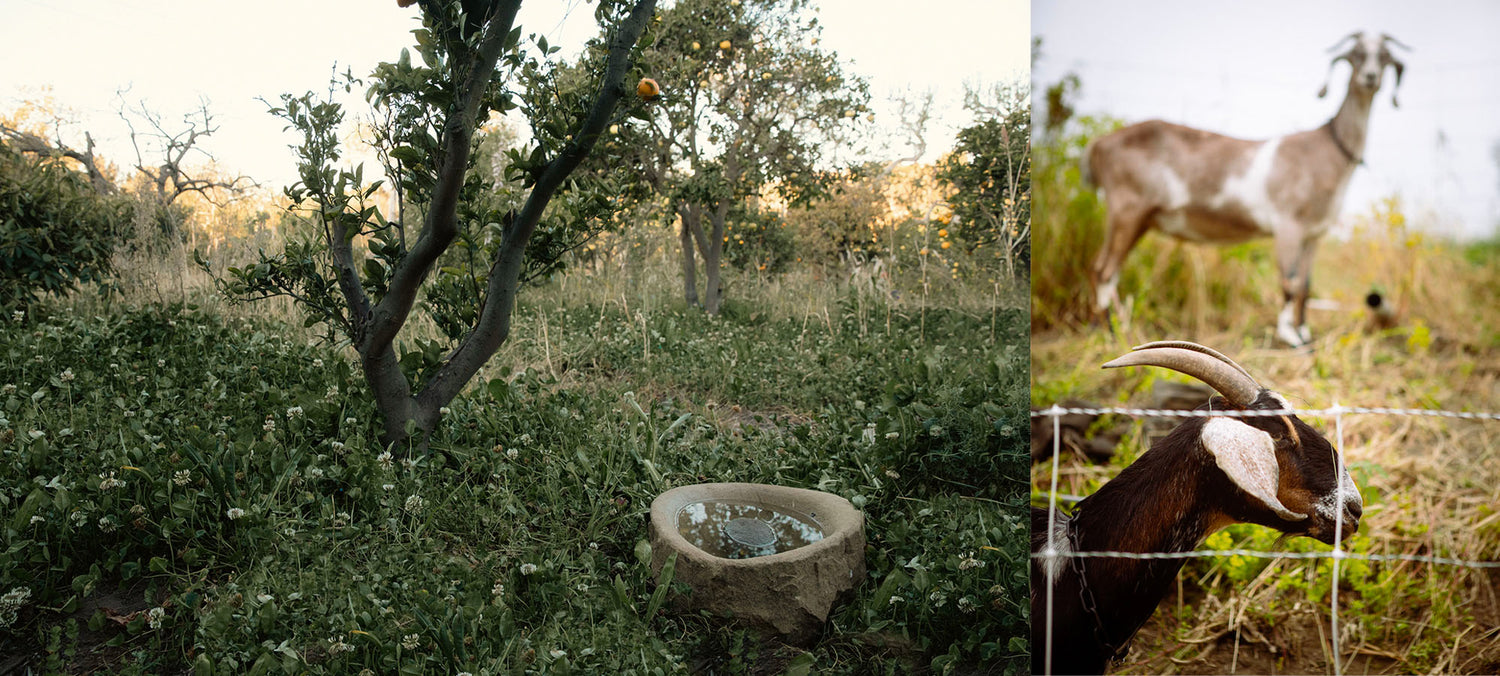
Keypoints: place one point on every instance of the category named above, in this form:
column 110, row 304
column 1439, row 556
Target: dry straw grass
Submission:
column 1434, row 482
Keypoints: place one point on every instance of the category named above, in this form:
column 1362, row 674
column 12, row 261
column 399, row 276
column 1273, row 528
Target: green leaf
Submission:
column 663, row 585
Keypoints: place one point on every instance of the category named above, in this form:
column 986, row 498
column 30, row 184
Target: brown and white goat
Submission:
column 1204, row 187
column 1208, row 473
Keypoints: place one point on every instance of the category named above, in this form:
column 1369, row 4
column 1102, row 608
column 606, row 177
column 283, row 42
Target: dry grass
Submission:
column 1432, row 484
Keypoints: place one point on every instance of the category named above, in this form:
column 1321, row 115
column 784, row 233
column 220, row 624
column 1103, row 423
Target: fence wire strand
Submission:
column 1337, row 554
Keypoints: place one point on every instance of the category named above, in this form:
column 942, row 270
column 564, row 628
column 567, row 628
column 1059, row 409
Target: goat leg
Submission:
column 1294, row 255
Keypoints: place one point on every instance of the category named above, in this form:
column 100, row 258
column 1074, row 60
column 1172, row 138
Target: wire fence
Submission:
column 1050, row 554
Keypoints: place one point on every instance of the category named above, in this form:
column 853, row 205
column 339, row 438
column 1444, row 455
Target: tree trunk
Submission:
column 689, row 265
column 713, row 287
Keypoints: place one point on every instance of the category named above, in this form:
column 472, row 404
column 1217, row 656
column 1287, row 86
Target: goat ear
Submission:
column 1400, row 68
column 1248, row 456
column 1322, row 92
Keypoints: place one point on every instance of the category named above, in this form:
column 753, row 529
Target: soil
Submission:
column 91, row 652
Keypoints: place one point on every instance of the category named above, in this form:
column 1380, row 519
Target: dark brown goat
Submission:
column 1208, row 473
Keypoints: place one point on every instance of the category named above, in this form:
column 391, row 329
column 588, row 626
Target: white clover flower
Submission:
column 936, row 431
column 66, row 376
column 892, row 474
column 464, row 673
column 11, row 603
column 892, row 435
column 444, row 411
column 937, row 598
column 38, row 519
column 337, row 645
column 388, row 487
column 318, row 363
column 107, row 524
column 896, row 599
column 294, row 412
column 182, row 477
column 155, row 616
column 525, row 439
column 528, row 568
column 498, row 589
column 351, row 421
column 18, row 316
column 79, row 518
column 414, row 504
column 9, row 388
column 337, row 446
column 315, row 472
column 384, row 459
column 269, row 425
column 410, row 641
column 512, row 453
column 408, row 464
column 234, row 513
column 161, row 363
column 968, row 561
column 966, row 605
column 332, row 393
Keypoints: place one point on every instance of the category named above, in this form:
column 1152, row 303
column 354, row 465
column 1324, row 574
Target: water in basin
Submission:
column 736, row 529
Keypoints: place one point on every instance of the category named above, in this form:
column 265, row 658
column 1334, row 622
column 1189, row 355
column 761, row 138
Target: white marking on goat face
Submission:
column 1371, row 67
column 1249, row 191
column 1333, row 505
column 1248, row 457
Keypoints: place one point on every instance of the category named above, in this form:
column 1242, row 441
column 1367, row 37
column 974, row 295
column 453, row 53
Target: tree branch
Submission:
column 493, row 326
column 440, row 226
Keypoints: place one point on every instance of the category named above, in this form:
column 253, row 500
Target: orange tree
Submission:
column 362, row 274
column 749, row 100
column 990, row 173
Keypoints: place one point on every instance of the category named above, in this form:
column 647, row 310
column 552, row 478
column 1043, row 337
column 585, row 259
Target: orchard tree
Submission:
column 990, row 173
column 749, row 101
column 362, row 273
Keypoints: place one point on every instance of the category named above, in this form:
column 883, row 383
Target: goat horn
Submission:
column 1387, row 37
column 1205, row 364
column 1340, row 44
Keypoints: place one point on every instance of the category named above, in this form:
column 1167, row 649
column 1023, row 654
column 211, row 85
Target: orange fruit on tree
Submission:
column 647, row 89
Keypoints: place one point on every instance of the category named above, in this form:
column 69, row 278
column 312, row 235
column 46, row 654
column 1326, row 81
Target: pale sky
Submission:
column 1253, row 69
column 172, row 54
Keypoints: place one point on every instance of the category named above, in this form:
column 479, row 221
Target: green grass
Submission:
column 224, row 470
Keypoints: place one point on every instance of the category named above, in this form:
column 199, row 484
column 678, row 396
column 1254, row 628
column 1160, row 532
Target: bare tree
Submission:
column 27, row 142
column 171, row 178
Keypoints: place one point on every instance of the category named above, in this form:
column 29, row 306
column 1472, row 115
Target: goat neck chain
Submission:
column 1086, row 595
column 1339, row 143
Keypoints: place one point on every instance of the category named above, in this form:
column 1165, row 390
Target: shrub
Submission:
column 55, row 230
